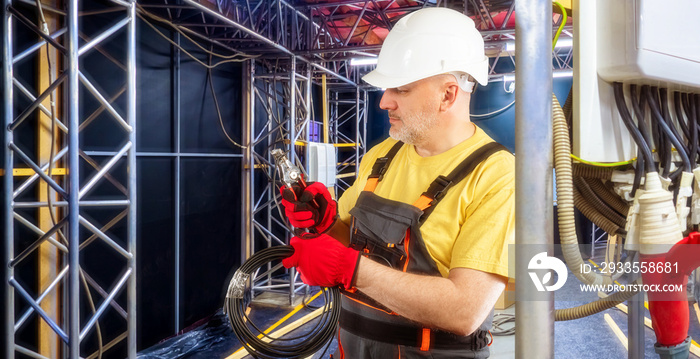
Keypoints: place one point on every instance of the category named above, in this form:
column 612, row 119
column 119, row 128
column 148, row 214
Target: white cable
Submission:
column 499, row 111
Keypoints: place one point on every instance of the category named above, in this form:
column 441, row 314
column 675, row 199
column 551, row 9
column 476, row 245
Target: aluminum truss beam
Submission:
column 328, row 34
column 278, row 108
column 75, row 228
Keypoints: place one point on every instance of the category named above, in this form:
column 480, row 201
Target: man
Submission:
column 431, row 214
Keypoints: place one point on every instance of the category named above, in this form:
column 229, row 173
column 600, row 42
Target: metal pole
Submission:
column 292, row 138
column 365, row 108
column 357, row 127
column 533, row 147
column 178, row 163
column 635, row 325
column 308, row 120
column 72, row 99
column 247, row 163
column 131, row 158
column 9, row 316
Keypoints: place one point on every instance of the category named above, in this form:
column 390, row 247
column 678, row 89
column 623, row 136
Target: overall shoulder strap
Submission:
column 430, row 198
column 380, row 167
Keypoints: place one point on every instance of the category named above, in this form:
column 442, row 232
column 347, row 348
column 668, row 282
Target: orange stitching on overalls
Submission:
column 373, row 307
column 406, row 242
column 340, row 347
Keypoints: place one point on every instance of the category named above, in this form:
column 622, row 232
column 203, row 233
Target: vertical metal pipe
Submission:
column 309, row 125
column 178, row 163
column 292, row 138
column 365, row 108
column 635, row 325
column 335, row 119
column 324, row 107
column 533, row 147
column 357, row 126
column 9, row 314
column 292, row 121
column 247, row 164
column 131, row 158
column 72, row 99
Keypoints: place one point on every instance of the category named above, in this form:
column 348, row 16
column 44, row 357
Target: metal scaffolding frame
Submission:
column 296, row 44
column 347, row 121
column 75, row 190
column 279, row 96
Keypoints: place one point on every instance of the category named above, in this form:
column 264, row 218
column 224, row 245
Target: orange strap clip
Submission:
column 425, row 340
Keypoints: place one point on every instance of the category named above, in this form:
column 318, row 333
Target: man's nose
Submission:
column 387, row 102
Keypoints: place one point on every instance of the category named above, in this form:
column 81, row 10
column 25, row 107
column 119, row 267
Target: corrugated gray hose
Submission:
column 567, row 224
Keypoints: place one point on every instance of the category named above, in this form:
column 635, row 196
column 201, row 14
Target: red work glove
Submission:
column 301, row 210
column 323, row 261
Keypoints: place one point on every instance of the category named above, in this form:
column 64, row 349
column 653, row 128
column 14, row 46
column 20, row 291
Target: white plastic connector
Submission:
column 624, row 191
column 624, row 177
column 658, row 222
column 665, row 182
column 685, row 191
column 695, row 207
column 632, row 224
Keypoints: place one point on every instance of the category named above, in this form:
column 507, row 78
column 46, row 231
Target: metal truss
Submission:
column 278, row 95
column 280, row 114
column 279, row 109
column 297, row 45
column 348, row 130
column 75, row 234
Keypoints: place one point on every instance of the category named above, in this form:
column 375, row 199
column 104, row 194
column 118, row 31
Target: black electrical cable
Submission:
column 639, row 113
column 638, row 172
column 656, row 132
column 679, row 114
column 686, row 106
column 251, row 337
column 634, row 131
column 676, row 142
column 693, row 144
column 668, row 155
column 686, row 100
column 676, row 174
column 663, row 97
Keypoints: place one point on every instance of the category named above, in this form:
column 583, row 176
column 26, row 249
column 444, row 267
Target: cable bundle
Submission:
column 251, row 337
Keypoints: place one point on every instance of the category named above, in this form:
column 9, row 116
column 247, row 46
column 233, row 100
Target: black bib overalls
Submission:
column 388, row 232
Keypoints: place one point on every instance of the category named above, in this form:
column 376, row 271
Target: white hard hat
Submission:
column 430, row 42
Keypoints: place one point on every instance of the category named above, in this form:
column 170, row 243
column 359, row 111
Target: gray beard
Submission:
column 414, row 131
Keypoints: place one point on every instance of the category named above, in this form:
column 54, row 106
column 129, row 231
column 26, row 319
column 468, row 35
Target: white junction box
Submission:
column 322, row 161
column 643, row 42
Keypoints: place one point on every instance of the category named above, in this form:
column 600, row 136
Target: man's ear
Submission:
column 450, row 92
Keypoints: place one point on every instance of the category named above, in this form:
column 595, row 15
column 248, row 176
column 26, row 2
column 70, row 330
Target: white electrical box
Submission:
column 321, row 164
column 644, row 42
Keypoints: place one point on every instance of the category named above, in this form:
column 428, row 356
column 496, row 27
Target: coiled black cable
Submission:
column 251, row 337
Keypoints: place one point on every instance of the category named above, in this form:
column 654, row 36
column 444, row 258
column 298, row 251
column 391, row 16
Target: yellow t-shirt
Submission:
column 473, row 224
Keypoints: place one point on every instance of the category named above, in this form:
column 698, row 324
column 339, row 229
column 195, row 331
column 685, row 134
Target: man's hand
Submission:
column 323, row 261
column 312, row 207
